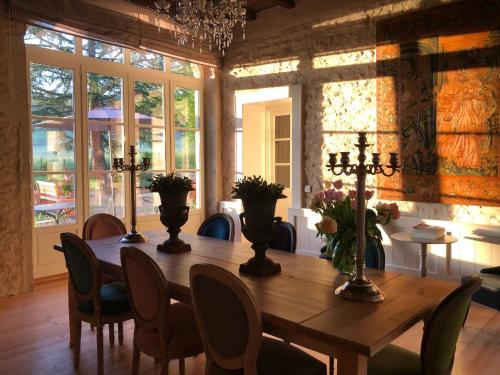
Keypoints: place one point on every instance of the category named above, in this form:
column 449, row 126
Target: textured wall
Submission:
column 16, row 267
column 332, row 54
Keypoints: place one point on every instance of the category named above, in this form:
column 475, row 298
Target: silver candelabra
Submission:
column 359, row 288
column 133, row 236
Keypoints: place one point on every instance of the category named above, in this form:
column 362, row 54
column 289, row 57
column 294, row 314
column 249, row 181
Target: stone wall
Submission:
column 330, row 51
column 16, row 268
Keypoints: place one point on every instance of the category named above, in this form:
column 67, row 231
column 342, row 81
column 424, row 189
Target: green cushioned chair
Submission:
column 90, row 300
column 438, row 344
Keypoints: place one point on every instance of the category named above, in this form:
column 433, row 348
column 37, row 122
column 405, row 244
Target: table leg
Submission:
column 349, row 363
column 423, row 260
column 71, row 314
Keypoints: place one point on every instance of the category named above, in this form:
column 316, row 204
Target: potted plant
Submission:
column 338, row 224
column 257, row 220
column 173, row 191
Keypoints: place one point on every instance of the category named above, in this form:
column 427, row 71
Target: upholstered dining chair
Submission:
column 441, row 332
column 100, row 226
column 163, row 330
column 220, row 226
column 231, row 329
column 285, row 238
column 94, row 302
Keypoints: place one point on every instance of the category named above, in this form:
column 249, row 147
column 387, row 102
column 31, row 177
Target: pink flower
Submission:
column 339, row 196
column 369, row 194
column 393, row 207
column 327, row 225
column 338, row 184
column 352, row 194
column 396, row 215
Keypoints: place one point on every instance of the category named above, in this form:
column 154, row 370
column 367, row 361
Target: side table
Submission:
column 406, row 237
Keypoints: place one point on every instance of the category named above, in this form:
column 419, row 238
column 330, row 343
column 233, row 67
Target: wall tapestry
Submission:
column 438, row 103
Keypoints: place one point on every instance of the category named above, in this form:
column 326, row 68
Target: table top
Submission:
column 300, row 300
column 406, row 237
column 54, row 206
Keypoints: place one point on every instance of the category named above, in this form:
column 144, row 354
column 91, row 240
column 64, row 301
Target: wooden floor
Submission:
column 34, row 340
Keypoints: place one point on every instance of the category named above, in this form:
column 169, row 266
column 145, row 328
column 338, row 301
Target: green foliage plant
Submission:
column 170, row 184
column 256, row 187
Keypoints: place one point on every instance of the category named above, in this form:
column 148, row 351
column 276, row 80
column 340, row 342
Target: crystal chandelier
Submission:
column 210, row 21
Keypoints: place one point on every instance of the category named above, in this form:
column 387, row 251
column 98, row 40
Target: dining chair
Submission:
column 162, row 330
column 94, row 302
column 285, row 238
column 231, row 329
column 100, row 226
column 220, row 226
column 489, row 293
column 441, row 331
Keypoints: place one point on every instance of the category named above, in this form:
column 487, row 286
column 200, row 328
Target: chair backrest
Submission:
column 443, row 328
column 285, row 238
column 375, row 255
column 147, row 290
column 101, row 226
column 83, row 268
column 219, row 226
column 229, row 320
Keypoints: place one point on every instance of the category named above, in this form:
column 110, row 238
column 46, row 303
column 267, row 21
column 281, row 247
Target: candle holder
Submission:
column 133, row 236
column 359, row 288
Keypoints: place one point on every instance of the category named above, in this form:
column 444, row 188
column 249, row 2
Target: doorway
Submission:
column 267, row 145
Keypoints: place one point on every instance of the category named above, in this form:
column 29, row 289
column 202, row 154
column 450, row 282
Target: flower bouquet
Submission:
column 338, row 223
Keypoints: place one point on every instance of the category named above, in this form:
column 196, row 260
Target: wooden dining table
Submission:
column 299, row 304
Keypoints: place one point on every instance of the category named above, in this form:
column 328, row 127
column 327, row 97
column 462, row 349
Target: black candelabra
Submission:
column 133, row 236
column 359, row 288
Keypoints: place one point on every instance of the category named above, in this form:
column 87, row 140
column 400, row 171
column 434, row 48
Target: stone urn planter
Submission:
column 258, row 221
column 174, row 212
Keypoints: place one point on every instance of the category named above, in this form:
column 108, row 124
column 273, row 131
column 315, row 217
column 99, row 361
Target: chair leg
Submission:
column 182, row 366
column 331, row 366
column 77, row 342
column 111, row 334
column 164, row 365
column 136, row 358
column 100, row 351
column 120, row 333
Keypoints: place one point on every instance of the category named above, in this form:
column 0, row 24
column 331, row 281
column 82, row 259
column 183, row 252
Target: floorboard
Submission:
column 34, row 340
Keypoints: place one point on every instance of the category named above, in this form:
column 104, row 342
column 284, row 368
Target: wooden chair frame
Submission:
column 159, row 323
column 94, row 219
column 219, row 215
column 248, row 359
column 96, row 319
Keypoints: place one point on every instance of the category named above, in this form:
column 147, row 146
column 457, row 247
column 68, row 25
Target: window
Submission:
column 149, row 118
column 86, row 113
column 53, row 137
column 187, row 138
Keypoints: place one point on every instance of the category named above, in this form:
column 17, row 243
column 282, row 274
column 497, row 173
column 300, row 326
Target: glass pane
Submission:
column 51, row 91
column 151, row 144
column 105, row 144
column 148, row 98
column 104, row 98
column 185, row 68
column 147, row 202
column 193, row 197
column 282, row 151
column 282, row 126
column 53, row 146
column 186, row 113
column 282, row 175
column 103, row 51
column 147, row 60
column 54, row 198
column 44, row 38
column 106, row 194
column 187, row 146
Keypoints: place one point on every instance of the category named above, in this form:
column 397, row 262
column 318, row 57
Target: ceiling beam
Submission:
column 84, row 19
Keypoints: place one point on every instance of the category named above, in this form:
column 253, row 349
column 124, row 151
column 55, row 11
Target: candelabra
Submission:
column 133, row 236
column 359, row 288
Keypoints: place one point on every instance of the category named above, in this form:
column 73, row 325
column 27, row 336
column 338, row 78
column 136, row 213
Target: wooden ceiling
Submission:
column 254, row 7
